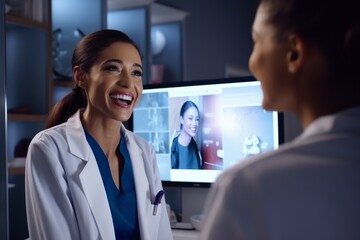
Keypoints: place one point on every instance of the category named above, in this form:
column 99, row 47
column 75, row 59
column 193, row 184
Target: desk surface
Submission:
column 185, row 234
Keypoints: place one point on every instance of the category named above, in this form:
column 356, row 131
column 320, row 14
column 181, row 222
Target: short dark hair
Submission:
column 334, row 26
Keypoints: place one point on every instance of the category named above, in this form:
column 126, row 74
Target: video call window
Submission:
column 228, row 125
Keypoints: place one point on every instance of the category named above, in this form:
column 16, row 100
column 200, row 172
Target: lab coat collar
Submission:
column 346, row 121
column 94, row 190
column 75, row 135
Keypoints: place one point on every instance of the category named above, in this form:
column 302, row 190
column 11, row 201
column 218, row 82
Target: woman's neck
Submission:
column 184, row 139
column 311, row 112
column 105, row 131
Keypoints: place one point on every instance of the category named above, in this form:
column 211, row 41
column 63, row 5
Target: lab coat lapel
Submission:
column 93, row 190
column 141, row 185
column 96, row 196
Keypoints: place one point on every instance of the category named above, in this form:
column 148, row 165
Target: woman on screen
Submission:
column 184, row 150
column 87, row 176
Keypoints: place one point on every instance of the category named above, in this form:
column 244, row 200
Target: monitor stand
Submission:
column 193, row 201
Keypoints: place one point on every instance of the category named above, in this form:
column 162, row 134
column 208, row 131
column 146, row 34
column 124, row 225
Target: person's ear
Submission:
column 79, row 77
column 296, row 53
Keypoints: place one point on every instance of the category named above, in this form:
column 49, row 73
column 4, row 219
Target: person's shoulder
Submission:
column 175, row 139
column 50, row 133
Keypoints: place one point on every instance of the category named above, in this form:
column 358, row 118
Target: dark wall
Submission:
column 216, row 33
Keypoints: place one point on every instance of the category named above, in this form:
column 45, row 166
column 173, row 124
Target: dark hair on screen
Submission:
column 85, row 55
column 334, row 26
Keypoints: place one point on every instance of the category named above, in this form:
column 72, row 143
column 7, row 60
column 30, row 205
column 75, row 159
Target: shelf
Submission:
column 16, row 170
column 27, row 117
column 25, row 22
column 17, row 166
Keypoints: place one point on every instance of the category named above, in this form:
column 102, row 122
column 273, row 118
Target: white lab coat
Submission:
column 307, row 189
column 65, row 196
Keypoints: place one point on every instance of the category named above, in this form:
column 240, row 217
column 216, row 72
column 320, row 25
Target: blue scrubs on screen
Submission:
column 122, row 202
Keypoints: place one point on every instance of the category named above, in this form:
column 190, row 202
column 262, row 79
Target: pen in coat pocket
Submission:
column 157, row 201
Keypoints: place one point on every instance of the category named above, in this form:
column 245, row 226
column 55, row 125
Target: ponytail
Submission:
column 67, row 106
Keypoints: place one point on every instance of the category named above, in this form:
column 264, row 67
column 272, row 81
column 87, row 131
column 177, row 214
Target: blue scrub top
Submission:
column 122, row 202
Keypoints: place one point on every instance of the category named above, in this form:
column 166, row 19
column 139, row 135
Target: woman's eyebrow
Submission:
column 137, row 65
column 114, row 60
column 121, row 62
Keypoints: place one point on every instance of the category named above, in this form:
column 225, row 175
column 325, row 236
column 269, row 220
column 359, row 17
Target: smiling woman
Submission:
column 109, row 77
column 308, row 62
column 185, row 153
column 87, row 176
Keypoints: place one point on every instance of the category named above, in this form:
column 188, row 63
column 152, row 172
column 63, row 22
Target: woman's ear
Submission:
column 296, row 53
column 79, row 77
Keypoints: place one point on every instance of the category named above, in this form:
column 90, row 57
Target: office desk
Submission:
column 186, row 234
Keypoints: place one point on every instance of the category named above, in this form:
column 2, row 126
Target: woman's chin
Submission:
column 267, row 106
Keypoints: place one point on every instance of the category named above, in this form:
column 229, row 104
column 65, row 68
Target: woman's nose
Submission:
column 125, row 78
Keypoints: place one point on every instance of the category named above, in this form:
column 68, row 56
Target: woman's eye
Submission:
column 137, row 73
column 112, row 68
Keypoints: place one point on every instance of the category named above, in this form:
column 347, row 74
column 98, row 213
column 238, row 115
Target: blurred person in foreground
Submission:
column 306, row 56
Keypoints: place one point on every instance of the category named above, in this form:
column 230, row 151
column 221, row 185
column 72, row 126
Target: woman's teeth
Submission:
column 122, row 97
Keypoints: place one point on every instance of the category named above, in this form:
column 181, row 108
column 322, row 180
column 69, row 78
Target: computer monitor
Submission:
column 231, row 126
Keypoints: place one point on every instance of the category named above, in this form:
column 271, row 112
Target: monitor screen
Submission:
column 200, row 128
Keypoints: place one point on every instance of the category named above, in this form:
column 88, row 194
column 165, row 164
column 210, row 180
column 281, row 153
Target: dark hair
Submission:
column 85, row 55
column 332, row 25
column 186, row 105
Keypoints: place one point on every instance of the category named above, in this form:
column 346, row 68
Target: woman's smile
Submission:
column 122, row 99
